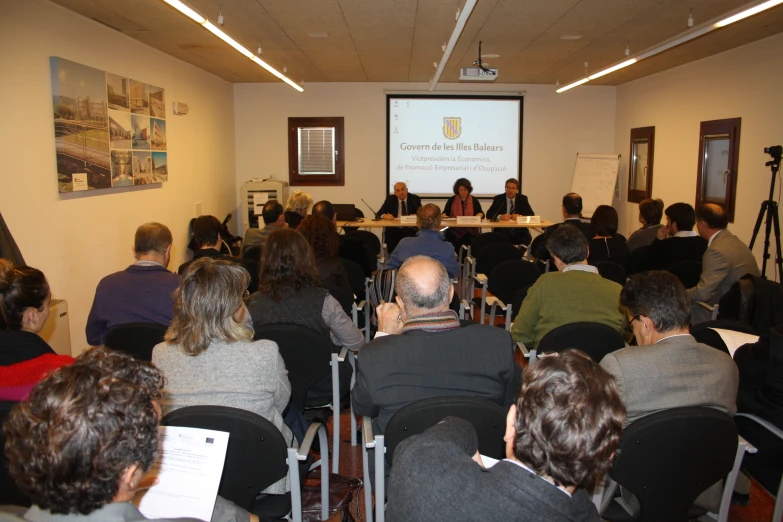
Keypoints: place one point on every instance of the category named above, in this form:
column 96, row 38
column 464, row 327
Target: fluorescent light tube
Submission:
column 209, row 26
column 187, row 11
column 572, row 85
column 615, row 67
column 748, row 12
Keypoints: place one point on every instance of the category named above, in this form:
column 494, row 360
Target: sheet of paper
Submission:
column 189, row 466
column 488, row 461
column 79, row 181
column 259, row 200
column 734, row 340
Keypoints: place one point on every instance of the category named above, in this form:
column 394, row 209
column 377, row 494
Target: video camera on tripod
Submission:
column 770, row 208
column 776, row 152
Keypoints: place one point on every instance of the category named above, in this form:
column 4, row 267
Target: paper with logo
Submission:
column 189, row 466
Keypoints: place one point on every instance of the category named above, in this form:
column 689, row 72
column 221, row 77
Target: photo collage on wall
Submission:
column 110, row 131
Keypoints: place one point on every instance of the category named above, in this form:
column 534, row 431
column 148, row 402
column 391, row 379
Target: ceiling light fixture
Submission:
column 209, row 26
column 686, row 36
column 690, row 18
column 220, row 16
column 259, row 49
column 627, row 50
column 462, row 19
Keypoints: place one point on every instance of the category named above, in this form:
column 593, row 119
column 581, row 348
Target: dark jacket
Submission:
column 665, row 252
column 335, row 279
column 539, row 247
column 429, row 243
column 433, row 478
column 248, row 264
column 18, row 346
column 609, row 249
column 390, row 206
column 522, row 207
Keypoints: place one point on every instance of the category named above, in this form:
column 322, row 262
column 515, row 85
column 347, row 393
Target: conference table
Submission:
column 384, row 223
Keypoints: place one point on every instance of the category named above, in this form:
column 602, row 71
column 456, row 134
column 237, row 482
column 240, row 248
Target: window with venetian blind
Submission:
column 315, row 151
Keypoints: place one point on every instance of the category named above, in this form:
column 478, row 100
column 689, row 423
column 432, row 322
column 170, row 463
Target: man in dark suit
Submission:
column 572, row 215
column 439, row 475
column 401, row 203
column 421, row 351
column 508, row 206
column 677, row 241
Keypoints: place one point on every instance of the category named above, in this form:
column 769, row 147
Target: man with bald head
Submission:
column 427, row 242
column 726, row 259
column 401, row 203
column 421, row 351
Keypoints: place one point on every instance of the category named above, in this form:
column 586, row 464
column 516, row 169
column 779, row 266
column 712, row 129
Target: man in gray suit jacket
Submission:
column 726, row 259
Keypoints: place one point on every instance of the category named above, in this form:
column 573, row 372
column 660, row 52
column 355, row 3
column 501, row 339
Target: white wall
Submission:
column 78, row 238
column 744, row 82
column 555, row 128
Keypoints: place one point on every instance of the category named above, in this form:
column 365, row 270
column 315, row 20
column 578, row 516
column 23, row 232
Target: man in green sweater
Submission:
column 575, row 293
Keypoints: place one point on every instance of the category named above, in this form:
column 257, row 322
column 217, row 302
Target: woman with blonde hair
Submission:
column 209, row 356
column 299, row 203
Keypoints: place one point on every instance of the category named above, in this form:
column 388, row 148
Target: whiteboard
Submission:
column 595, row 179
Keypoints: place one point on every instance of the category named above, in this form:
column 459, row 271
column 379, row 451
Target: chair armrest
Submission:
column 342, row 355
column 521, row 347
column 481, row 279
column 494, row 302
column 369, row 437
column 304, row 448
column 758, row 420
column 705, row 305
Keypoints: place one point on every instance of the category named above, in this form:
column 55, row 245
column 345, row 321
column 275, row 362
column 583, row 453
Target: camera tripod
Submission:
column 770, row 208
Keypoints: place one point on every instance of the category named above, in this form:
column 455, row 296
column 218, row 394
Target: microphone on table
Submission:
column 376, row 218
column 497, row 212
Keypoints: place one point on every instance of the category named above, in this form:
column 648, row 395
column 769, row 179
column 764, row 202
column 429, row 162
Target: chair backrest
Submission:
column 136, row 339
column 256, row 456
column 382, row 287
column 703, row 332
column 306, row 354
column 477, row 243
column 355, row 278
column 739, row 303
column 668, row 458
column 253, row 253
column 595, row 339
column 509, row 276
column 492, row 255
column 688, row 272
column 612, row 271
column 368, row 239
column 9, row 494
column 488, row 419
column 637, row 259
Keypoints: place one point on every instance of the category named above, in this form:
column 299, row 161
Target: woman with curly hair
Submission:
column 320, row 233
column 462, row 204
column 80, row 446
column 289, row 293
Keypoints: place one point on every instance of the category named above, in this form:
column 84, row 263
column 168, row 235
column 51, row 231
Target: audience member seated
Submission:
column 650, row 214
column 668, row 368
column 350, row 248
column 575, row 293
column 209, row 356
column 322, row 237
column 507, row 207
column 80, row 447
column 25, row 358
column 299, row 203
column 142, row 293
column 274, row 219
column 726, row 259
column 560, row 437
column 289, row 293
column 428, row 242
column 206, row 234
column 401, row 203
column 572, row 215
column 462, row 204
column 607, row 244
column 677, row 241
column 420, row 350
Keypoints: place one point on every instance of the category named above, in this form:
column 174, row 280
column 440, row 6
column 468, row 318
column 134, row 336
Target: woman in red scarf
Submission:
column 464, row 205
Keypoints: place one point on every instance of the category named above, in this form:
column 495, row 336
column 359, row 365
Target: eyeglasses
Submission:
column 629, row 326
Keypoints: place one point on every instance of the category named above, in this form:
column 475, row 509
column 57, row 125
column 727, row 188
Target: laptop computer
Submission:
column 345, row 211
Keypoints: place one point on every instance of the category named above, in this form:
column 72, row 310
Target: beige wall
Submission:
column 744, row 82
column 555, row 128
column 78, row 238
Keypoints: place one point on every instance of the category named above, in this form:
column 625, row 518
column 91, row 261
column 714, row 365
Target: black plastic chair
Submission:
column 492, row 255
column 257, row 457
column 9, row 493
column 477, row 243
column 766, row 465
column 136, row 339
column 688, row 272
column 668, row 458
column 612, row 271
column 506, row 280
column 595, row 339
column 487, row 418
column 309, row 358
column 703, row 332
column 637, row 260
column 369, row 239
column 253, row 253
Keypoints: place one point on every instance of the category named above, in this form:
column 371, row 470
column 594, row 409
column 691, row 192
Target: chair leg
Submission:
column 324, row 474
column 335, row 415
column 296, row 492
column 731, row 479
column 352, row 360
column 778, row 513
column 508, row 317
column 367, row 483
column 380, row 486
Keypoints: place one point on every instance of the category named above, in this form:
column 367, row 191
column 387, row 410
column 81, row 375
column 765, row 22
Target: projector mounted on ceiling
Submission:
column 480, row 73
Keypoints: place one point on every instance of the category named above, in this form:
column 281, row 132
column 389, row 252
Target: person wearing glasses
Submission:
column 576, row 292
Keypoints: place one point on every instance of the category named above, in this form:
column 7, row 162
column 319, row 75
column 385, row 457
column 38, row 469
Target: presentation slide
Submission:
column 434, row 140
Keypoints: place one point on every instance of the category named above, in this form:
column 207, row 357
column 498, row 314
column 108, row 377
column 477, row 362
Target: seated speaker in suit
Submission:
column 572, row 215
column 650, row 214
column 560, row 437
column 677, row 241
column 401, row 203
column 507, row 207
column 726, row 259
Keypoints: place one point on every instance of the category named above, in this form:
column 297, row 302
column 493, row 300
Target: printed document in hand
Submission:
column 189, row 466
column 734, row 340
